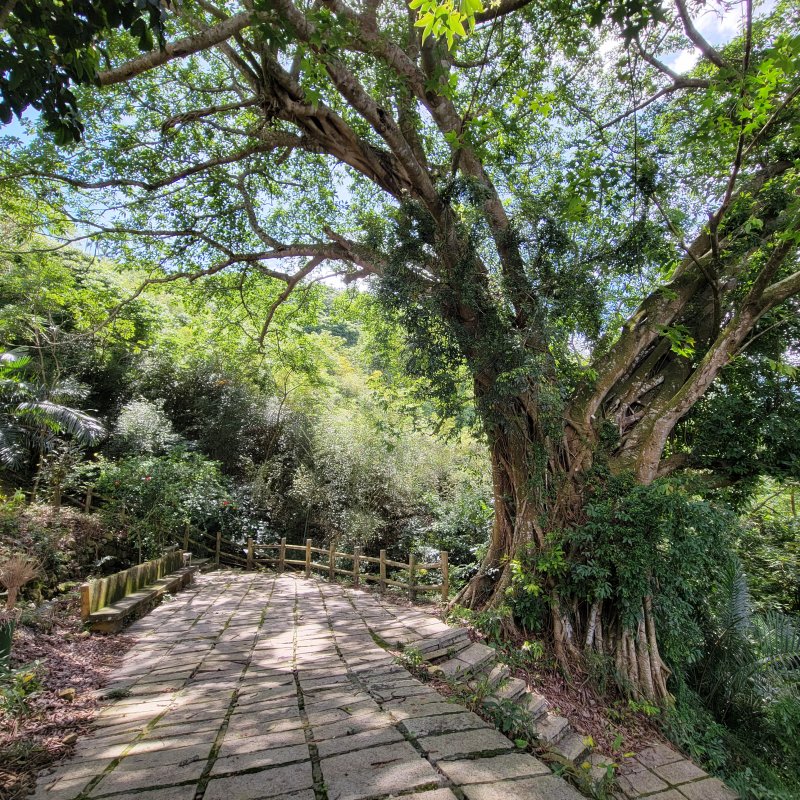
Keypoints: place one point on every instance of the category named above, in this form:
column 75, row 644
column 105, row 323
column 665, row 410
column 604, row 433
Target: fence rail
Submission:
column 256, row 554
column 362, row 568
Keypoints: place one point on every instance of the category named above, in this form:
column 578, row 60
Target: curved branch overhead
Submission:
column 183, row 47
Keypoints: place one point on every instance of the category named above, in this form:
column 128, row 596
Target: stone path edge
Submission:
column 659, row 771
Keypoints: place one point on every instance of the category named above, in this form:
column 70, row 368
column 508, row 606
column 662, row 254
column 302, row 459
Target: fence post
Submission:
column 308, row 558
column 445, row 575
column 282, row 555
column 412, row 577
column 250, row 554
column 86, row 601
column 382, row 582
column 186, row 537
column 87, row 506
column 356, row 566
column 332, row 562
column 219, row 544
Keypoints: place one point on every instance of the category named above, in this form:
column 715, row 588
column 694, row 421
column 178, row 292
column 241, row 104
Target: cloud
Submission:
column 720, row 25
column 683, row 61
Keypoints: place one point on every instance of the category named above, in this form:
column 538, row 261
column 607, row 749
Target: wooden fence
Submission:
column 224, row 551
column 104, row 591
column 359, row 568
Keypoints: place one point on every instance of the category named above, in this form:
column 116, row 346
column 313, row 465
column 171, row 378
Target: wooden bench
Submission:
column 109, row 603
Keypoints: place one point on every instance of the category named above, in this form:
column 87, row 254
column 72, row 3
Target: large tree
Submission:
column 593, row 235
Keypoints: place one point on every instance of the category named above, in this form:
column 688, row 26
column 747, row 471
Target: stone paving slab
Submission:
column 708, row 789
column 268, row 783
column 546, row 787
column 432, row 794
column 377, row 771
column 358, row 741
column 444, row 723
column 491, row 770
column 474, row 743
column 252, row 686
column 273, row 757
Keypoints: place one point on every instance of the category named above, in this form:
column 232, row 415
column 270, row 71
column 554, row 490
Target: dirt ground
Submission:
column 72, row 666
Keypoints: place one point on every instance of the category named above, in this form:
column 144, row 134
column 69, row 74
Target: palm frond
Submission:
column 752, row 659
column 84, row 428
column 68, row 391
column 733, row 608
column 13, row 390
column 11, row 451
column 778, row 647
column 14, row 360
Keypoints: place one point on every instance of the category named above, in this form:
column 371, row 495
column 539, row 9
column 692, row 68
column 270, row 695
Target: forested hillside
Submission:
column 519, row 282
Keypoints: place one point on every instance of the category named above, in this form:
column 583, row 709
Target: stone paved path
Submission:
column 253, row 686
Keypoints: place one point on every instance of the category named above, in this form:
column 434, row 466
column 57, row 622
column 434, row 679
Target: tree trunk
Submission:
column 538, row 489
column 639, row 387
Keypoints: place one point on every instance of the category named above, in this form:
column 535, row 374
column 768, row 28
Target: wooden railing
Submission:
column 99, row 593
column 361, row 568
column 220, row 550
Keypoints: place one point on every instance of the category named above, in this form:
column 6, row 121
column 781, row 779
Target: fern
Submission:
column 750, row 674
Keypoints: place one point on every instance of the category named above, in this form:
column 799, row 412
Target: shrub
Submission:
column 142, row 427
column 208, row 403
column 65, row 543
column 153, row 497
column 16, row 687
column 636, row 536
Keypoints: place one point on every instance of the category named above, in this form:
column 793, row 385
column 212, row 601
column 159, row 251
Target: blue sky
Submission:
column 718, row 25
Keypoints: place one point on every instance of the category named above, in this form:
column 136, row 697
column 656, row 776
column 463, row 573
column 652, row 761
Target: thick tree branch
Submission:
column 640, row 330
column 200, row 113
column 664, row 416
column 449, row 121
column 697, row 38
column 370, row 262
column 659, row 309
column 781, row 291
column 326, row 132
column 180, row 49
column 705, row 268
column 340, row 249
column 654, row 62
column 668, row 466
column 500, row 9
column 360, row 100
